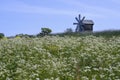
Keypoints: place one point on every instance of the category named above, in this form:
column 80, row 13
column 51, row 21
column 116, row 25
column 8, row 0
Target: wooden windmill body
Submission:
column 83, row 25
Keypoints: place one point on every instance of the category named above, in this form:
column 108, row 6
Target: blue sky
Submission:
column 28, row 16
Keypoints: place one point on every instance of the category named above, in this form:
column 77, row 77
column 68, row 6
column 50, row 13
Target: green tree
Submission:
column 1, row 35
column 46, row 31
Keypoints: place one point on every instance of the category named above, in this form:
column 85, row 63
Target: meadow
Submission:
column 60, row 58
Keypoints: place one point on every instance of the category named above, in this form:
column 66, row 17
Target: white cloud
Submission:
column 92, row 10
column 25, row 8
column 83, row 8
column 18, row 6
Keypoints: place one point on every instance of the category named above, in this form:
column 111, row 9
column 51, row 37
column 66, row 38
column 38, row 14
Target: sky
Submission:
column 29, row 16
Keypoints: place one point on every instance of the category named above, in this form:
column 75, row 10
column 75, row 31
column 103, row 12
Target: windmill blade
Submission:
column 83, row 18
column 76, row 30
column 79, row 17
column 75, row 23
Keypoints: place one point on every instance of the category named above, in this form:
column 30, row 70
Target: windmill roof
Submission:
column 88, row 22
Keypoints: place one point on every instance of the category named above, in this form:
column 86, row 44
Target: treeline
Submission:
column 67, row 32
column 44, row 31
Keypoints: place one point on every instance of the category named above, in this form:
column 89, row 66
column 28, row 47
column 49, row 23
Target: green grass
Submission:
column 86, row 57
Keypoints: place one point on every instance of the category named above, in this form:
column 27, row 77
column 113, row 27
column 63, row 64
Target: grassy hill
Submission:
column 85, row 56
column 107, row 33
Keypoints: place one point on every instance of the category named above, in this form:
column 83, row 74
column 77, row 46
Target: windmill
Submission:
column 80, row 24
column 83, row 25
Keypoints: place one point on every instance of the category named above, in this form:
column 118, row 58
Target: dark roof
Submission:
column 88, row 22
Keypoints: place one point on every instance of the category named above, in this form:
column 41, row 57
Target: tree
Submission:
column 69, row 30
column 45, row 31
column 1, row 35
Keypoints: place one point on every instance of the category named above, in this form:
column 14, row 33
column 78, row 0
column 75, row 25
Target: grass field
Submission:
column 88, row 57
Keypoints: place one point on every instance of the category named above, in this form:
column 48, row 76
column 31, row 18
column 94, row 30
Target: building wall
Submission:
column 88, row 27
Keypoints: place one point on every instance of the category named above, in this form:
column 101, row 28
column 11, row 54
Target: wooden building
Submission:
column 88, row 25
column 83, row 24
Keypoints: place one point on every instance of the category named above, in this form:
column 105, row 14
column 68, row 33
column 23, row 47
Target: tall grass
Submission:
column 60, row 58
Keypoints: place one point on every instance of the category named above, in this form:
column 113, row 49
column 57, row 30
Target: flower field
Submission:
column 60, row 58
